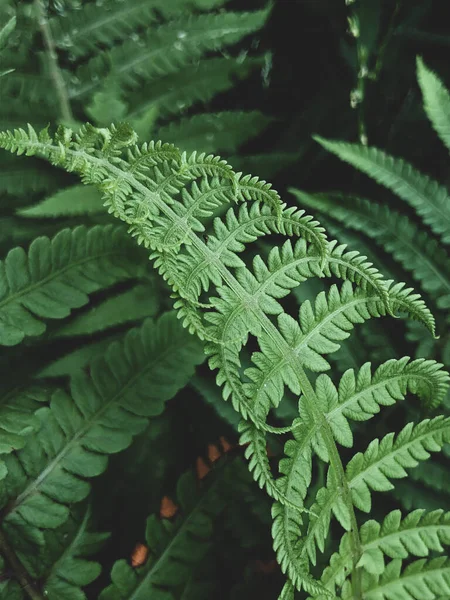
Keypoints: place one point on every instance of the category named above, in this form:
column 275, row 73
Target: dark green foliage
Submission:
column 111, row 411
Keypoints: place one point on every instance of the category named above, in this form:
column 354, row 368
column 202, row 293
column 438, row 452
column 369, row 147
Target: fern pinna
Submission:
column 168, row 200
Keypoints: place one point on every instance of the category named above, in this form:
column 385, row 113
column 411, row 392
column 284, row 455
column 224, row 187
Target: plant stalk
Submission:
column 55, row 71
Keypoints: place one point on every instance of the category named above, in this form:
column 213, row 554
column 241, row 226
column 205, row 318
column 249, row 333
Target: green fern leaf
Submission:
column 418, row 534
column 177, row 92
column 420, row 191
column 57, row 275
column 372, row 470
column 63, row 564
column 17, row 418
column 73, row 201
column 92, row 26
column 436, row 101
column 133, row 305
column 287, row 523
column 210, row 132
column 359, row 396
column 421, row 579
column 168, row 48
column 413, row 248
column 389, row 457
column 125, row 387
column 168, row 206
column 175, row 548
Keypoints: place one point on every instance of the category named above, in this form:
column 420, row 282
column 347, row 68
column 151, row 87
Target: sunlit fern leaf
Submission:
column 417, row 534
column 423, row 193
column 413, row 248
column 56, row 275
column 72, row 201
column 109, row 404
column 133, row 305
column 288, row 592
column 319, row 331
column 177, row 92
column 383, row 460
column 296, row 469
column 175, row 547
column 168, row 49
column 389, row 383
column 84, row 30
column 436, row 101
column 360, row 395
column 210, row 132
column 421, row 579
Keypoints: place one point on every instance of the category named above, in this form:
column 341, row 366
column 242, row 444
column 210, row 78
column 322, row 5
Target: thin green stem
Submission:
column 55, row 71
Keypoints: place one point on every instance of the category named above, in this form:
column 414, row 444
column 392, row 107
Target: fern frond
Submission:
column 17, row 418
column 417, row 534
column 359, row 396
column 175, row 547
column 69, row 202
column 19, row 179
column 92, row 26
column 168, row 206
column 383, row 460
column 296, row 469
column 56, row 275
column 107, row 407
column 413, row 248
column 210, row 132
column 423, row 193
column 389, row 457
column 168, row 49
column 65, row 565
column 177, row 92
column 436, row 101
column 420, row 579
column 133, row 305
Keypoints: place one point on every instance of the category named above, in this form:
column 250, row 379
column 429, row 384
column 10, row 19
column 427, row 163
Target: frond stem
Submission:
column 338, row 467
column 55, row 71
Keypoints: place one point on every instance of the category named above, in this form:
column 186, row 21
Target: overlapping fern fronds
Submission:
column 419, row 249
column 167, row 199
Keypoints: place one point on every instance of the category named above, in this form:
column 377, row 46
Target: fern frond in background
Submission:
column 419, row 251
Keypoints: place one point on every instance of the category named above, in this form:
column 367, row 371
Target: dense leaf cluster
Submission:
column 228, row 398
